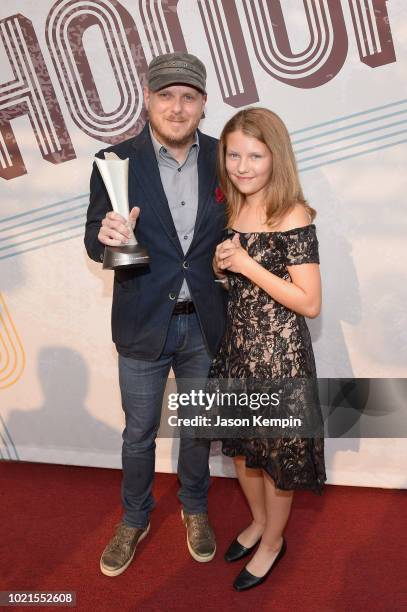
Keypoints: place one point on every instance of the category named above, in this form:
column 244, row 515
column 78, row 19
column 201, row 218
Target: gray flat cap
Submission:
column 176, row 68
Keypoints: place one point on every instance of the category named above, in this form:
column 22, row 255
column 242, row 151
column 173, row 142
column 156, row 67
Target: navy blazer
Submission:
column 144, row 297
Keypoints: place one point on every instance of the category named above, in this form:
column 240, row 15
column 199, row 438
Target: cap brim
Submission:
column 174, row 79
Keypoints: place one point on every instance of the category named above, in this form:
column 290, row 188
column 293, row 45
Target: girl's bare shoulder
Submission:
column 297, row 216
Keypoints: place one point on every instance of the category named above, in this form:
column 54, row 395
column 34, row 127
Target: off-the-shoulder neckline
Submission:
column 290, row 231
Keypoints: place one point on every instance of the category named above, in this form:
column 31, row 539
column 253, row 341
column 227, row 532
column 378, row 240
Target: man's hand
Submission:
column 216, row 262
column 115, row 230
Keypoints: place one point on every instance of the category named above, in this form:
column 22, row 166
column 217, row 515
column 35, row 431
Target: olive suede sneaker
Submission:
column 119, row 552
column 200, row 537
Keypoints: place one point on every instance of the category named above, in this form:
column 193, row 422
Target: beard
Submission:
column 173, row 141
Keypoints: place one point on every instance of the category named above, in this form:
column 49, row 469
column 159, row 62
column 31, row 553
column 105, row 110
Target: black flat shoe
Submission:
column 237, row 551
column 246, row 580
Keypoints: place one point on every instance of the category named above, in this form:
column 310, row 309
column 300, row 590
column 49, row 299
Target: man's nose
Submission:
column 176, row 105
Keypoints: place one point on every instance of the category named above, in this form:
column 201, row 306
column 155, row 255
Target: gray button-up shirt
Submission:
column 180, row 183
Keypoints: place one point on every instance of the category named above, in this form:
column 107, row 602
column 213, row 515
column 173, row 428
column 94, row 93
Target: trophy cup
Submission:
column 115, row 174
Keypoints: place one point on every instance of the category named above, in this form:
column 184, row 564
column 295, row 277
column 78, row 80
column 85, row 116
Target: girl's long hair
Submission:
column 284, row 189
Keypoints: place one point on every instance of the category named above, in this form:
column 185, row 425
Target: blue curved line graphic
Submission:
column 41, row 227
column 10, row 246
column 358, row 114
column 4, row 434
column 349, row 136
column 353, row 145
column 334, row 161
column 60, row 212
column 30, row 212
column 41, row 246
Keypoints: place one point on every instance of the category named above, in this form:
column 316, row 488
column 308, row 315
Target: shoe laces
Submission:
column 199, row 525
column 122, row 537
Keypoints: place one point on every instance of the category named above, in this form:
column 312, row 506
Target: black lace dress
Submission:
column 266, row 340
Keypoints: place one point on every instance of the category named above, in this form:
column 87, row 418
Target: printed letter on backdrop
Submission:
column 372, row 31
column 30, row 92
column 323, row 57
column 67, row 22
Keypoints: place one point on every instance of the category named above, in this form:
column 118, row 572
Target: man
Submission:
column 171, row 312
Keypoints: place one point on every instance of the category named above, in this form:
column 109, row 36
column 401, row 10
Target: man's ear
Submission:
column 205, row 97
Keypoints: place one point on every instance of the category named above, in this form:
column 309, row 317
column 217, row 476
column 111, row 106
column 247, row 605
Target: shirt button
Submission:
column 172, row 295
column 185, row 265
column 182, row 203
column 185, row 237
column 179, row 169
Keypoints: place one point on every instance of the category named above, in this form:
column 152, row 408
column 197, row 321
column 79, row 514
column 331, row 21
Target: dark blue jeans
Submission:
column 142, row 385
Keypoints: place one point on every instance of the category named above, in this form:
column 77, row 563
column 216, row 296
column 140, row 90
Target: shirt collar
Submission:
column 159, row 149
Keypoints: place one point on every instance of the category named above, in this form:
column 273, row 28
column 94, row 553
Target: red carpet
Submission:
column 346, row 549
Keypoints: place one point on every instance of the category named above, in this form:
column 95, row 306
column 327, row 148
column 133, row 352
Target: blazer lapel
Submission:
column 206, row 179
column 145, row 167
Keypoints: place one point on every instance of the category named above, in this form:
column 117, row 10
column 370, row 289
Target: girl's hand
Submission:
column 230, row 255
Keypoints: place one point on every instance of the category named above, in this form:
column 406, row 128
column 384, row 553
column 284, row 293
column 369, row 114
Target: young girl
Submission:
column 271, row 268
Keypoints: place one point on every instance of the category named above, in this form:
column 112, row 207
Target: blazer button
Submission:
column 172, row 295
column 185, row 265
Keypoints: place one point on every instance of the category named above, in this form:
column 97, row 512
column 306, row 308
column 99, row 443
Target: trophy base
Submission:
column 125, row 256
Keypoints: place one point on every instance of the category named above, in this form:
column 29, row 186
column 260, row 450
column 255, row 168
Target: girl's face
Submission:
column 249, row 163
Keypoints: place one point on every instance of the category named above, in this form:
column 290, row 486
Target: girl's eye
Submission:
column 233, row 155
column 256, row 156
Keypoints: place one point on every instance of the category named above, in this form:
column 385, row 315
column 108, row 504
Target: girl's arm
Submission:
column 302, row 294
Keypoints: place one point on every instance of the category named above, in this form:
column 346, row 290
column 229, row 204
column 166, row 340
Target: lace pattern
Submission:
column 263, row 340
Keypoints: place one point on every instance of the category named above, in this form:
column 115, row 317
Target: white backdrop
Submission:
column 339, row 84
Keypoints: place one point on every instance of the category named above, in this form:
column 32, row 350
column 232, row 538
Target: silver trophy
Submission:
column 115, row 174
